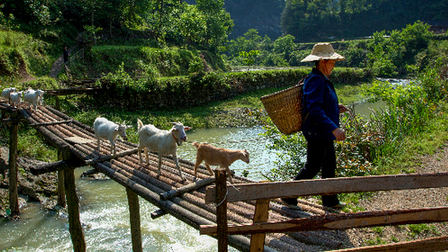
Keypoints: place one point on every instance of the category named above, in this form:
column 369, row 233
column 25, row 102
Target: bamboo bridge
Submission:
column 184, row 200
column 246, row 215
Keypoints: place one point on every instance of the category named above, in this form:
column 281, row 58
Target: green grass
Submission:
column 420, row 229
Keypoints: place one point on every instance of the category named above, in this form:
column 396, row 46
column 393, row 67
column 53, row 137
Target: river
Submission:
column 104, row 212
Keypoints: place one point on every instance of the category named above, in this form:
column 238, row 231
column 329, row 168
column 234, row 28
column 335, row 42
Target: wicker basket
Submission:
column 285, row 108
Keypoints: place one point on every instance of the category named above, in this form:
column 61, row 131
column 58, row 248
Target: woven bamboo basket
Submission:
column 285, row 108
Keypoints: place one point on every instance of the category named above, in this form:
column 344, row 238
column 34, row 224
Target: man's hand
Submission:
column 339, row 134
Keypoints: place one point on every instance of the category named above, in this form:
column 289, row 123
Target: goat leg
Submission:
column 160, row 162
column 229, row 174
column 99, row 148
column 209, row 169
column 140, row 154
column 147, row 159
column 178, row 167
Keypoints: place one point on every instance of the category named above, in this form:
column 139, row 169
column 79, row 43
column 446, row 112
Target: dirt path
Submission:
column 59, row 64
column 406, row 199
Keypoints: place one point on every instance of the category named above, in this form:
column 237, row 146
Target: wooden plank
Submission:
column 261, row 215
column 254, row 191
column 339, row 221
column 192, row 186
column 78, row 140
column 425, row 245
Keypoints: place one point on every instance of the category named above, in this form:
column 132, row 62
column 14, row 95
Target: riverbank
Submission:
column 41, row 188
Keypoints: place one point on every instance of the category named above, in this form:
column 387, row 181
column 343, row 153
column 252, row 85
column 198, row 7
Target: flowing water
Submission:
column 104, row 212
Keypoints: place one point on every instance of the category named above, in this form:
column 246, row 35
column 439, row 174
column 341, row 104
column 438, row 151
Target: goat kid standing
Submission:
column 6, row 92
column 217, row 156
column 108, row 130
column 16, row 98
column 33, row 97
column 163, row 142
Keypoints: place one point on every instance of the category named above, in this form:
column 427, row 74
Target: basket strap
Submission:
column 303, row 94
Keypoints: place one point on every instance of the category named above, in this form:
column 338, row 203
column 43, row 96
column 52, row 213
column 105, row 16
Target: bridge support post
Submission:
column 221, row 211
column 75, row 228
column 13, row 176
column 134, row 212
column 58, row 105
column 261, row 215
column 61, row 188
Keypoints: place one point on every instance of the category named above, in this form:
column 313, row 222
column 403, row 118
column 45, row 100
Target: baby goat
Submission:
column 218, row 156
column 6, row 92
column 16, row 98
column 105, row 129
column 33, row 97
column 163, row 142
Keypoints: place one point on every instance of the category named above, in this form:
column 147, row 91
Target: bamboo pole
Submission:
column 134, row 215
column 109, row 157
column 13, row 176
column 237, row 241
column 75, row 122
column 51, row 123
column 192, row 186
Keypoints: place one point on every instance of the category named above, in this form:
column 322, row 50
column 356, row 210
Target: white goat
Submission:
column 217, row 156
column 6, row 92
column 163, row 142
column 16, row 98
column 33, row 97
column 107, row 130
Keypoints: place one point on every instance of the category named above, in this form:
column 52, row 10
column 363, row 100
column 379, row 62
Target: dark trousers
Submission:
column 320, row 157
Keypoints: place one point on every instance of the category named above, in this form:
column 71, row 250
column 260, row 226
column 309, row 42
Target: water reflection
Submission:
column 261, row 159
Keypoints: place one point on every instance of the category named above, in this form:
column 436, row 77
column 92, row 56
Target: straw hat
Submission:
column 323, row 51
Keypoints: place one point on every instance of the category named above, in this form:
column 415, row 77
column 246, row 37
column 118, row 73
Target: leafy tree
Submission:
column 249, row 57
column 163, row 18
column 192, row 26
column 314, row 20
column 218, row 21
column 389, row 55
column 250, row 41
column 285, row 45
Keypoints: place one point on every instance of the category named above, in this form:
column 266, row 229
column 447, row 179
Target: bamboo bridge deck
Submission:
column 189, row 207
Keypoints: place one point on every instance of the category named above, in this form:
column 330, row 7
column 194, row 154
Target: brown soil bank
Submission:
column 42, row 188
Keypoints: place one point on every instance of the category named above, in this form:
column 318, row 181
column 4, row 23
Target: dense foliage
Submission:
column 392, row 53
column 317, row 20
column 205, row 25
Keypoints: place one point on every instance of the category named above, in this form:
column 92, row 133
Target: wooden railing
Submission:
column 262, row 192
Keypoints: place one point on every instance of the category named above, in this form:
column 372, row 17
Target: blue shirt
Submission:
column 320, row 107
